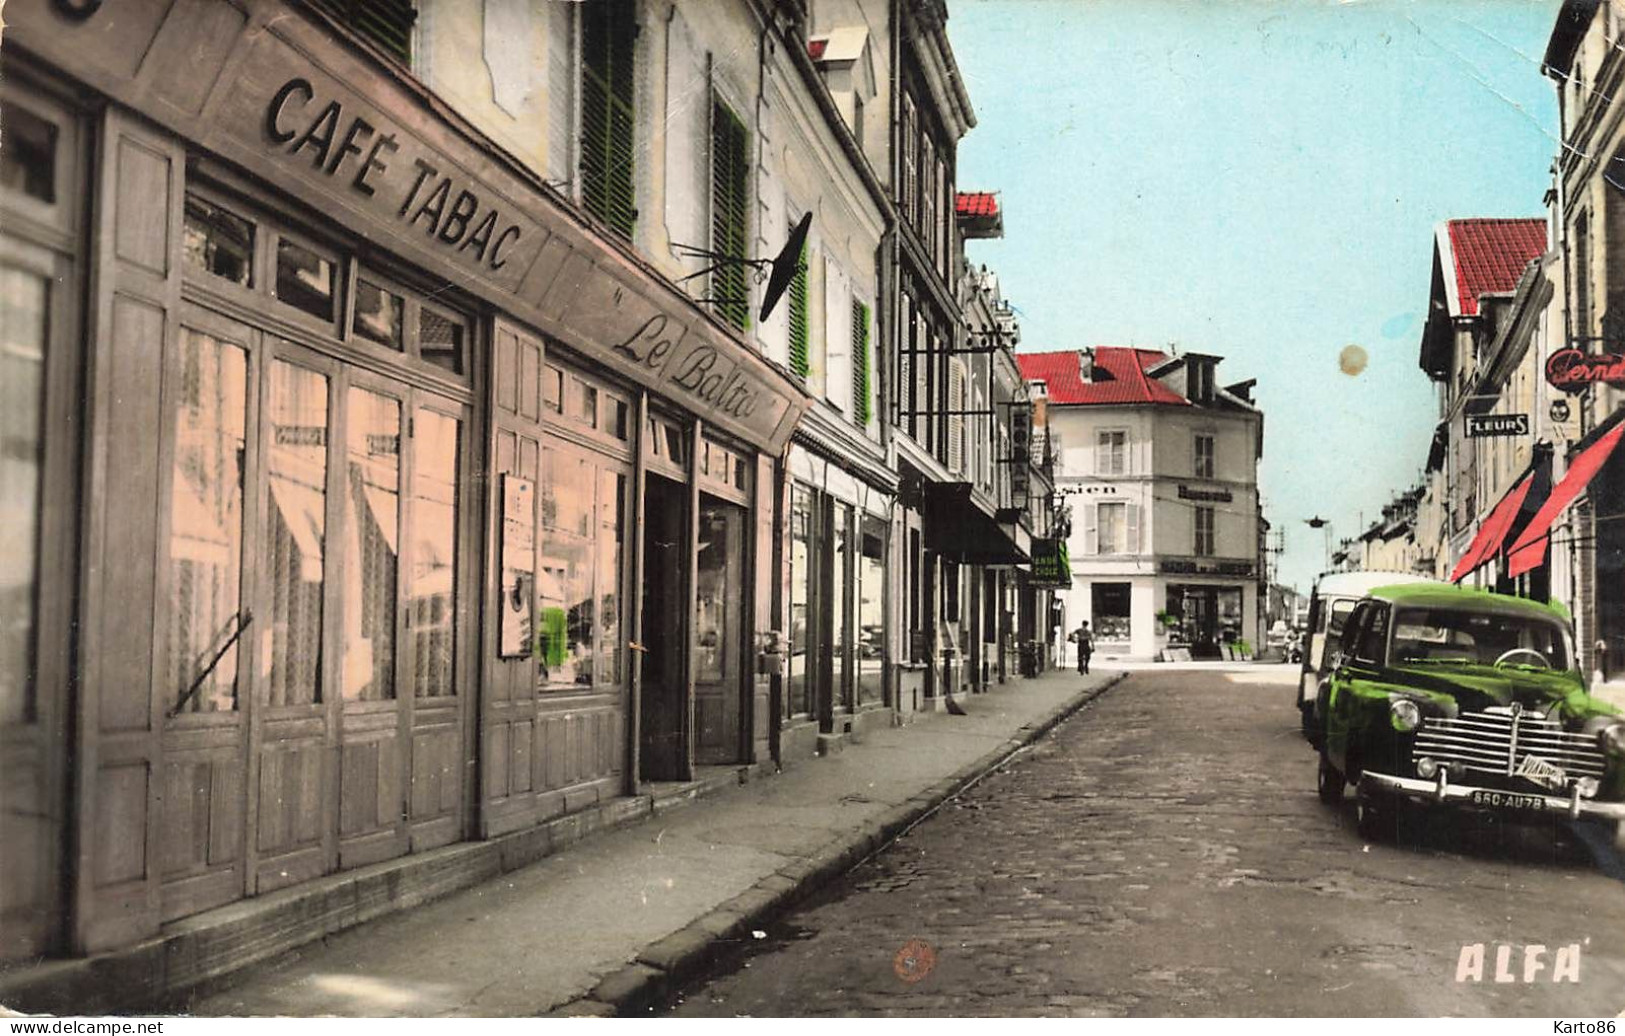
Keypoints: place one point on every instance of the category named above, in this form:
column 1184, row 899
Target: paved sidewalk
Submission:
column 607, row 924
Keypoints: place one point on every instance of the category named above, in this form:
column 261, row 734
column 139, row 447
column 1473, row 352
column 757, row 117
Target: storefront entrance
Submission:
column 1207, row 617
column 663, row 698
column 719, row 634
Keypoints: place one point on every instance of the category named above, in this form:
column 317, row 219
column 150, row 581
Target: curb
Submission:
column 664, row 966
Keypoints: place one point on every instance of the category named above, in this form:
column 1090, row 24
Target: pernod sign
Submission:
column 1482, row 426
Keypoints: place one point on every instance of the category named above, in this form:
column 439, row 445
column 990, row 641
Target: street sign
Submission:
column 1483, row 426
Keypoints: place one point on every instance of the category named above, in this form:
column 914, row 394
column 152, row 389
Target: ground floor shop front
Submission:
column 328, row 543
column 1158, row 617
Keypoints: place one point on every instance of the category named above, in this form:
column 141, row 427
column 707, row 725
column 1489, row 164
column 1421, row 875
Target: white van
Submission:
column 1334, row 597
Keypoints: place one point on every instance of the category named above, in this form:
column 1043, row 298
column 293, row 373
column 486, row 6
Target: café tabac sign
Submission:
column 466, row 212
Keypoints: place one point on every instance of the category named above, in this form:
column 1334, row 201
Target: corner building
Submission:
column 375, row 481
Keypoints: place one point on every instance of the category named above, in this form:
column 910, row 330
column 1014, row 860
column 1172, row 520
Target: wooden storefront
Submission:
column 349, row 519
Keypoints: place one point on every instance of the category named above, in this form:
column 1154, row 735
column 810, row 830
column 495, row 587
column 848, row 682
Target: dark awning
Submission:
column 960, row 530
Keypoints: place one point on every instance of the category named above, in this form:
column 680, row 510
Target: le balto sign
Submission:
column 325, row 134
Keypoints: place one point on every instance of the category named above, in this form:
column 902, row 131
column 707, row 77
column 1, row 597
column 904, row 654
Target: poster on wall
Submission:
column 517, row 606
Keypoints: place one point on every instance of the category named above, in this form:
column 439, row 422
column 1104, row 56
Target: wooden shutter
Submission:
column 729, row 180
column 860, row 364
column 956, row 417
column 911, row 145
column 608, row 29
column 387, row 23
column 1131, row 544
column 1091, row 542
column 1103, row 453
column 799, row 364
column 561, row 91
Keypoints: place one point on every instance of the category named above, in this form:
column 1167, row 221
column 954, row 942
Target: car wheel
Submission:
column 1379, row 821
column 1328, row 782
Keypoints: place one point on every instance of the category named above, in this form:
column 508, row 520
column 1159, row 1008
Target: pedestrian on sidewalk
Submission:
column 1086, row 646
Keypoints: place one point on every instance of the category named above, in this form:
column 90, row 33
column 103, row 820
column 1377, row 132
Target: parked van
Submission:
column 1331, row 602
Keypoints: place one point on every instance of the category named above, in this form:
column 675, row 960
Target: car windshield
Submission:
column 1447, row 637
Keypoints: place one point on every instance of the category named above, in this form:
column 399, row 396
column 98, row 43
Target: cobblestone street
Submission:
column 1163, row 852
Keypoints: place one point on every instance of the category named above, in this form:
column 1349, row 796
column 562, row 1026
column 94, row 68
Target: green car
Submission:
column 1460, row 698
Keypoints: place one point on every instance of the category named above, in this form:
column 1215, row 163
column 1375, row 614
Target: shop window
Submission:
column 1109, row 611
column 206, row 525
column 28, row 159
column 608, row 159
column 295, row 533
column 380, row 315
column 432, row 586
column 218, row 242
column 870, row 605
column 611, row 535
column 565, row 647
column 730, row 212
column 371, row 544
column 304, row 279
column 24, row 297
column 1204, row 532
column 798, row 698
column 553, row 388
column 840, row 616
column 440, row 340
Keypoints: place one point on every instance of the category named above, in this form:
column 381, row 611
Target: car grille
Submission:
column 1498, row 743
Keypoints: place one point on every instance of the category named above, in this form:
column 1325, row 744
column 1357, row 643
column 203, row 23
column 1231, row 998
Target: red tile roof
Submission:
column 1489, row 255
column 1119, row 377
column 815, row 48
column 976, row 203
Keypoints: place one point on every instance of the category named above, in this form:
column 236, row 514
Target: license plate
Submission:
column 1508, row 800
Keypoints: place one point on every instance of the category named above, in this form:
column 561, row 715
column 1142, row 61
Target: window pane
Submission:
column 218, row 242
column 379, row 315
column 28, row 160
column 586, row 402
column 616, row 417
column 611, row 497
column 304, row 279
column 432, row 595
column 23, row 327
column 717, row 576
column 565, row 645
column 295, row 534
column 371, row 544
column 206, row 525
column 553, row 388
column 440, row 340
column 870, row 604
column 799, row 697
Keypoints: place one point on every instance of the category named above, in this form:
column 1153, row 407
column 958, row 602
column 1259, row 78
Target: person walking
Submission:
column 1086, row 646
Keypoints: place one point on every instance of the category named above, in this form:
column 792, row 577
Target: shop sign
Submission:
column 1051, row 565
column 1102, row 489
column 1483, row 426
column 1573, row 371
column 1205, row 567
column 1218, row 496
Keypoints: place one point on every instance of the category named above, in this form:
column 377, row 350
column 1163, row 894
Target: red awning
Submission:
column 1494, row 530
column 1530, row 547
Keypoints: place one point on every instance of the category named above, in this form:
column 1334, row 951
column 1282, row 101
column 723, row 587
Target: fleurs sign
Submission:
column 1572, row 370
column 1483, row 426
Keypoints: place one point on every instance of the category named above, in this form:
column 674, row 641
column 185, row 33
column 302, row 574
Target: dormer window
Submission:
column 1199, row 386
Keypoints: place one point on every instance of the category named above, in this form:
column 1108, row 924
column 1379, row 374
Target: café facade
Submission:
column 363, row 497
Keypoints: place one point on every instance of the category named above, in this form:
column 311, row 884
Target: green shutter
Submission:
column 730, row 181
column 861, row 365
column 387, row 23
column 608, row 30
column 799, row 364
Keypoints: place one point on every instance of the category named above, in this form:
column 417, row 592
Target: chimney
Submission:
column 1086, row 364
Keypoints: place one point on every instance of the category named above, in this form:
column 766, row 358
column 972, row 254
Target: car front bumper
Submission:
column 1440, row 791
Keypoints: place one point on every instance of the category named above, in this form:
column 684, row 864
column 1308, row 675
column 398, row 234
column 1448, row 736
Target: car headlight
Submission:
column 1405, row 715
column 1611, row 739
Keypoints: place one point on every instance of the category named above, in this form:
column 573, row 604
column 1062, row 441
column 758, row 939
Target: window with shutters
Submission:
column 388, row 23
column 1111, row 528
column 608, row 33
column 862, row 371
column 730, row 201
column 800, row 360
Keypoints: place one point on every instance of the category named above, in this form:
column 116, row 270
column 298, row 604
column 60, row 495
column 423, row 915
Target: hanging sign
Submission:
column 1484, row 426
column 1573, row 371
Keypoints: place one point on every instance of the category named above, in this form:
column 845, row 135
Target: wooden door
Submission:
column 663, row 751
column 719, row 678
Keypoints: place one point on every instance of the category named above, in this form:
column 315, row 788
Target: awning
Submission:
column 958, row 529
column 1530, row 548
column 1052, row 568
column 1493, row 532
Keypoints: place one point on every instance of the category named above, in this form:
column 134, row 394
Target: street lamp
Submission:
column 1317, row 522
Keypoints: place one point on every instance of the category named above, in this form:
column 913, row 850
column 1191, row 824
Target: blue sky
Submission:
column 1260, row 181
